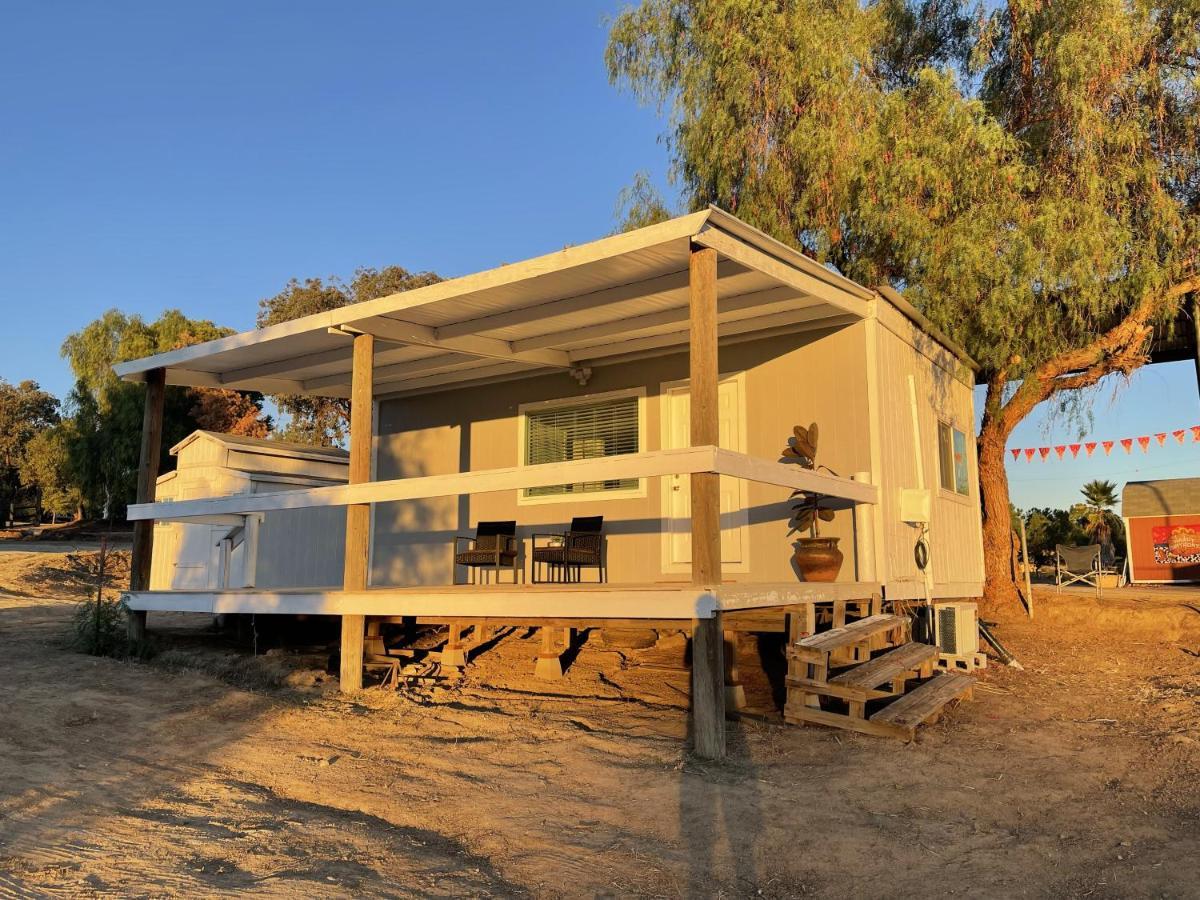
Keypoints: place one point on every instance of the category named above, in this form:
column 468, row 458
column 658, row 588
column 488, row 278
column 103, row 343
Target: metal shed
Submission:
column 280, row 549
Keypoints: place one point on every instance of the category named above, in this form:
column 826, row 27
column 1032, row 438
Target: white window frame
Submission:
column 582, row 400
column 953, row 491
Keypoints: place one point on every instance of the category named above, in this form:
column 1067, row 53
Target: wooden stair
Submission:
column 839, row 700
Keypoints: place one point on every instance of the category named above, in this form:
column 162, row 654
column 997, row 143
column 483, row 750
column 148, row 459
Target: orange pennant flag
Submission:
column 1090, row 447
column 1161, row 437
column 1075, row 450
column 1029, row 451
column 1179, row 435
column 1060, row 450
column 1107, row 445
column 1127, row 444
column 1044, row 451
column 1195, row 434
column 1144, row 443
column 1015, row 452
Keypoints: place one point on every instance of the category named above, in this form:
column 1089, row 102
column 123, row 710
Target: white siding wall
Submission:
column 793, row 379
column 943, row 394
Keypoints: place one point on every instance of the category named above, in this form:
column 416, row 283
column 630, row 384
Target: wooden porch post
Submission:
column 148, row 461
column 708, row 668
column 358, row 515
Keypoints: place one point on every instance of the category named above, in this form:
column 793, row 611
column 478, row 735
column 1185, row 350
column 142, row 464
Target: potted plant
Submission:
column 817, row 558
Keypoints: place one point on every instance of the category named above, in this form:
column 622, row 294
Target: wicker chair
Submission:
column 565, row 555
column 493, row 549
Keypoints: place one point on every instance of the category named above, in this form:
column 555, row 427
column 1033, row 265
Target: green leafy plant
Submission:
column 809, row 508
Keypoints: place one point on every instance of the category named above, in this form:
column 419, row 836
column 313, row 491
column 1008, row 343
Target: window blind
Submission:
column 584, row 431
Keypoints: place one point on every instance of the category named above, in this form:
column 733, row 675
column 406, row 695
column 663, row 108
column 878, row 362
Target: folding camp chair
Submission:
column 1077, row 564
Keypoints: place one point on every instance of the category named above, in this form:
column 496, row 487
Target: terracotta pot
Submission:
column 818, row 559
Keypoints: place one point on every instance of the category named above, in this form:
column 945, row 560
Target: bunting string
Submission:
column 1089, row 447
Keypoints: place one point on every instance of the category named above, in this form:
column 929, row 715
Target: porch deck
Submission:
column 573, row 604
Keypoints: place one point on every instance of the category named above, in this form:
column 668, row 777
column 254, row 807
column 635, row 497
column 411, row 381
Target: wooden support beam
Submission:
column 708, row 668
column 397, row 331
column 426, row 365
column 623, row 326
column 148, row 461
column 358, row 515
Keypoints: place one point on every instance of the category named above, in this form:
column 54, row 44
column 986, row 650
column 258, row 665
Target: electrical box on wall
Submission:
column 914, row 505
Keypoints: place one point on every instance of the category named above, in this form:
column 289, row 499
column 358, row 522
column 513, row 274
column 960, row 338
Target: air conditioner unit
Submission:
column 957, row 628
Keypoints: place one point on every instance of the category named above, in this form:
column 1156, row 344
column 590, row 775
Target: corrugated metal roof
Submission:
column 1167, row 497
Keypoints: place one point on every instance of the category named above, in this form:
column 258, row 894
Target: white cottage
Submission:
column 649, row 380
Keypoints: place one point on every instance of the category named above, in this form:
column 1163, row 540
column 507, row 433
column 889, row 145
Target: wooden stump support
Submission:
column 143, row 530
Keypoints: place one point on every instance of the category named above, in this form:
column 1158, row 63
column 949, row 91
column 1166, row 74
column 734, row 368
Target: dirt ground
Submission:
column 1076, row 777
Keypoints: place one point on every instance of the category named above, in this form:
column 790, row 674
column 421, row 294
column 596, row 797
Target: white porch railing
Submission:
column 656, row 463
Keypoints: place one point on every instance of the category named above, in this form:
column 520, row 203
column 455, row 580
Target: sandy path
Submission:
column 1075, row 778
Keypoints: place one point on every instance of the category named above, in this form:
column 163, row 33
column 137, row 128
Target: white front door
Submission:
column 677, row 504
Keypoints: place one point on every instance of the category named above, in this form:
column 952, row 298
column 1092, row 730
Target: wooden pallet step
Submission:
column 886, row 667
column 924, row 702
column 796, row 714
column 829, row 689
column 854, row 633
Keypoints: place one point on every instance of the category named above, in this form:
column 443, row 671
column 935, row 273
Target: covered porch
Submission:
column 696, row 283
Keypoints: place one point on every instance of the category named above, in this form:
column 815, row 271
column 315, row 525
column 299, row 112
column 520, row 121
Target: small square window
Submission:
column 952, row 459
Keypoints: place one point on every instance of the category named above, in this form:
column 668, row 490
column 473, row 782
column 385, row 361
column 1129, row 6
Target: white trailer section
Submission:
column 279, row 549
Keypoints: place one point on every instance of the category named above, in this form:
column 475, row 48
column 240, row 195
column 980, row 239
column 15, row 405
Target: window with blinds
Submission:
column 582, row 431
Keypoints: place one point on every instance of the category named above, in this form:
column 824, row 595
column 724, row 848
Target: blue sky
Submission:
column 197, row 156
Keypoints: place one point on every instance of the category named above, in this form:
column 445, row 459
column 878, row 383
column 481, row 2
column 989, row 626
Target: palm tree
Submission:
column 1100, row 497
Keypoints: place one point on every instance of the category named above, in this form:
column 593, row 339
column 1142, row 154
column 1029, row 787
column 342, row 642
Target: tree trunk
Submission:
column 1000, row 589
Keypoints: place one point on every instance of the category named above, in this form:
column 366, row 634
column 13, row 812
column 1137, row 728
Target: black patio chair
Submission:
column 493, row 549
column 565, row 555
column 1077, row 565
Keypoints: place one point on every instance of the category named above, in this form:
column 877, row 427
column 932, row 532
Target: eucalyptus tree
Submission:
column 1026, row 172
column 323, row 420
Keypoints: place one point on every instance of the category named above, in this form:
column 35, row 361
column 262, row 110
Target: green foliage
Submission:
column 640, row 204
column 1027, row 174
column 47, row 467
column 98, row 628
column 1096, row 516
column 1046, row 528
column 25, row 412
column 323, row 420
column 104, row 441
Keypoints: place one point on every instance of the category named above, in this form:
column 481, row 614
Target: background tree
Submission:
column 640, row 204
column 104, row 442
column 323, row 420
column 1028, row 175
column 1097, row 518
column 47, row 467
column 25, row 411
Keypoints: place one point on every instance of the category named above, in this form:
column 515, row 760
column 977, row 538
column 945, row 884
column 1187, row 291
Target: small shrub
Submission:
column 99, row 628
